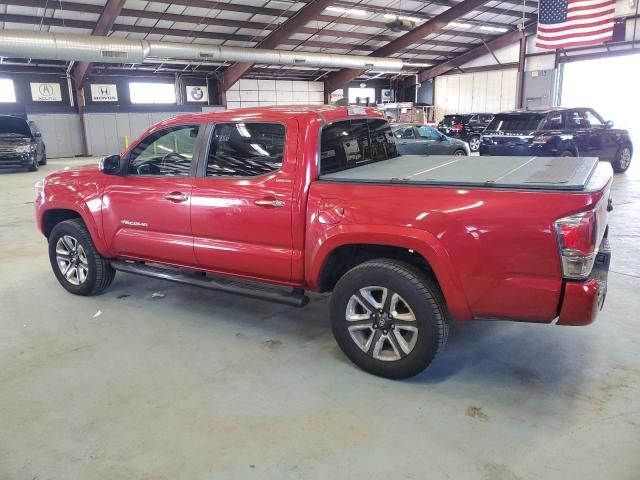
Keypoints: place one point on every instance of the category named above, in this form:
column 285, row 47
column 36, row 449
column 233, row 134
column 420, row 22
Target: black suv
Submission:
column 558, row 132
column 21, row 144
column 467, row 127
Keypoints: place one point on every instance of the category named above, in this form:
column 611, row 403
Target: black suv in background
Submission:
column 558, row 132
column 21, row 144
column 467, row 127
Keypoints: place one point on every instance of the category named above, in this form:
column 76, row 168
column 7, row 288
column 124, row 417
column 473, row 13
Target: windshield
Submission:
column 14, row 127
column 517, row 122
column 352, row 143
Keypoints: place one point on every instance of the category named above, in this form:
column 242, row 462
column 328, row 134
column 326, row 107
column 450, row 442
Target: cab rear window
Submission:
column 351, row 143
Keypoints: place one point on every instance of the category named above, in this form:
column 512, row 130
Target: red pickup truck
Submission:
column 270, row 202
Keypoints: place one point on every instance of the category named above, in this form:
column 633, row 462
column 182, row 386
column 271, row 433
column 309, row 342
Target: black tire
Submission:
column 474, row 143
column 621, row 162
column 567, row 153
column 34, row 165
column 417, row 291
column 43, row 160
column 99, row 274
column 460, row 152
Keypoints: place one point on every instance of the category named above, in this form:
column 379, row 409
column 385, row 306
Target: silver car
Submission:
column 425, row 140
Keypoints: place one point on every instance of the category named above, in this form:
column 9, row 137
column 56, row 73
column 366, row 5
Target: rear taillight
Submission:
column 542, row 138
column 577, row 238
column 456, row 127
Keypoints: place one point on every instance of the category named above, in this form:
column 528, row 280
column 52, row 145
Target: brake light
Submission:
column 542, row 138
column 577, row 239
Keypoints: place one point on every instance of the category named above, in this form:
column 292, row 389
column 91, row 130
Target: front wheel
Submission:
column 77, row 265
column 460, row 153
column 622, row 160
column 474, row 143
column 388, row 318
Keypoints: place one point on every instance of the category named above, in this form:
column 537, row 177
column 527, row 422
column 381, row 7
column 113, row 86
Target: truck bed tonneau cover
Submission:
column 527, row 173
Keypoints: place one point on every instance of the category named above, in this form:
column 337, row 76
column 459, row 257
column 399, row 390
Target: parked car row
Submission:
column 555, row 132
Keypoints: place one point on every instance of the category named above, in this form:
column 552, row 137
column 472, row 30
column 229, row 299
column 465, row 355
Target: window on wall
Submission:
column 362, row 94
column 146, row 92
column 7, row 91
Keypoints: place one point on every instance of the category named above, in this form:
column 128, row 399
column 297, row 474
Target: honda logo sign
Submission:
column 104, row 93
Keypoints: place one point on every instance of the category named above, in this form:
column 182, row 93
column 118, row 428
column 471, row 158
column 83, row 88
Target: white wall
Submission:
column 491, row 91
column 254, row 93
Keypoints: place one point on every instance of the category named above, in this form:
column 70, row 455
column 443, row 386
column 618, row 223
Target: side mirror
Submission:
column 37, row 135
column 443, row 137
column 608, row 124
column 110, row 165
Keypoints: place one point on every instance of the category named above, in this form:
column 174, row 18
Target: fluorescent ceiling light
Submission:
column 350, row 11
column 489, row 28
column 411, row 19
column 459, row 25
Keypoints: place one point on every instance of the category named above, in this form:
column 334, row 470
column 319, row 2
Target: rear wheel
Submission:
column 460, row 153
column 388, row 318
column 567, row 153
column 78, row 266
column 622, row 160
column 474, row 143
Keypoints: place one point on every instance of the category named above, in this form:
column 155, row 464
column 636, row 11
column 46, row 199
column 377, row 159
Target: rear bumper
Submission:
column 583, row 300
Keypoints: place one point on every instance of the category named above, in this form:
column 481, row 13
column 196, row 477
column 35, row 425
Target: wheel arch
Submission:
column 343, row 251
column 52, row 216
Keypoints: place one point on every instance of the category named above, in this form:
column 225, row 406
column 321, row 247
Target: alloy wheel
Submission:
column 381, row 323
column 625, row 158
column 474, row 144
column 72, row 261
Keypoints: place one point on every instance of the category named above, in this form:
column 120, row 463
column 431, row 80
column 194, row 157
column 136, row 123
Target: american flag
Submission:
column 572, row 23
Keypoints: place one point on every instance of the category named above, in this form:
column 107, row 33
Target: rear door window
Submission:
column 405, row 133
column 245, row 149
column 350, row 143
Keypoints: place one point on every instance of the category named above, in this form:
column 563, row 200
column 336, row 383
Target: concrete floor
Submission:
column 203, row 385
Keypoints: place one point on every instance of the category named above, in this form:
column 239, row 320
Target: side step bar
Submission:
column 288, row 296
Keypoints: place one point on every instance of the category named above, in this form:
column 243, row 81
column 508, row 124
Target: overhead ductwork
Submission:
column 87, row 48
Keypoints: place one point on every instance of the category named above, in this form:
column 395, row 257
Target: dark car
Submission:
column 425, row 140
column 467, row 127
column 21, row 144
column 558, row 132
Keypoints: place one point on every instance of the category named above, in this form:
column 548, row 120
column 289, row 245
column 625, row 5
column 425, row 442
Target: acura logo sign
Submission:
column 46, row 92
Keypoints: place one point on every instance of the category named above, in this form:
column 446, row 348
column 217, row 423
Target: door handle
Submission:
column 269, row 202
column 176, row 197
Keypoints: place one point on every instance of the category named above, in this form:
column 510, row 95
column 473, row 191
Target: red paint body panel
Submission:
column 494, row 252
